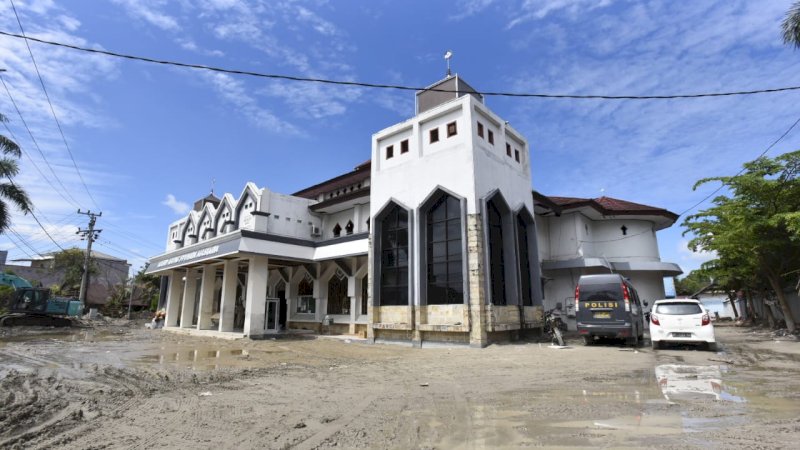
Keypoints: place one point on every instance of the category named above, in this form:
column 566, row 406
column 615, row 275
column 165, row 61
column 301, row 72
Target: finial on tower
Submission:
column 447, row 55
column 213, row 182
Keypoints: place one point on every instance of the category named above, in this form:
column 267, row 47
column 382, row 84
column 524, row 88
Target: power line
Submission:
column 395, row 86
column 774, row 143
column 52, row 110
column 36, row 144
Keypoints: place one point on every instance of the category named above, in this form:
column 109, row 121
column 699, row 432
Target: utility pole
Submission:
column 90, row 235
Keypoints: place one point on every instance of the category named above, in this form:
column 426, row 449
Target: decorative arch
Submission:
column 500, row 250
column 530, row 286
column 247, row 203
column 393, row 255
column 224, row 215
column 205, row 223
column 189, row 232
column 442, row 235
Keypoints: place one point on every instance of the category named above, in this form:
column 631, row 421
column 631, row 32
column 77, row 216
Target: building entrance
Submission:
column 271, row 314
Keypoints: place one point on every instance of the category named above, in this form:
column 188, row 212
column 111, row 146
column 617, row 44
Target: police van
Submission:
column 608, row 306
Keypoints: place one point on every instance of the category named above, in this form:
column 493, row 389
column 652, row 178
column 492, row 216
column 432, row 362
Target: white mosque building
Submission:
column 437, row 238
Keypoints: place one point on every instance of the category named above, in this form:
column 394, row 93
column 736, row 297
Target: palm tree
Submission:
column 9, row 191
column 791, row 26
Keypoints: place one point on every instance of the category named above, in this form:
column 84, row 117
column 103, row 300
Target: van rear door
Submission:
column 601, row 304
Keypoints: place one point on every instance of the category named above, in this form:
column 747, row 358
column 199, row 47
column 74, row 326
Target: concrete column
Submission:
column 206, row 297
column 189, row 295
column 255, row 303
column 228, row 302
column 174, row 298
column 291, row 297
column 476, row 273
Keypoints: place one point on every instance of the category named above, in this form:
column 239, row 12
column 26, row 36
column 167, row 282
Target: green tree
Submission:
column 9, row 191
column 70, row 261
column 791, row 26
column 692, row 283
column 752, row 229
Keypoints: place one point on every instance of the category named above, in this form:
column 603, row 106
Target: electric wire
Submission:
column 774, row 143
column 52, row 110
column 396, row 86
column 71, row 199
column 22, row 241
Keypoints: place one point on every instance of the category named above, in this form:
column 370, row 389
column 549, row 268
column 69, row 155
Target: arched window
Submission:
column 445, row 252
column 338, row 303
column 497, row 266
column 524, row 261
column 349, row 227
column 337, row 230
column 394, row 257
column 306, row 286
column 364, row 294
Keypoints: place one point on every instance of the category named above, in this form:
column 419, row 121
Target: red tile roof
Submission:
column 611, row 206
column 360, row 173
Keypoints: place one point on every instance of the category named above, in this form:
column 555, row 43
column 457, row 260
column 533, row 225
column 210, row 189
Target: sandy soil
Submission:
column 124, row 387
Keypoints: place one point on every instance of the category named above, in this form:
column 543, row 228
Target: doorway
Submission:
column 271, row 314
column 281, row 294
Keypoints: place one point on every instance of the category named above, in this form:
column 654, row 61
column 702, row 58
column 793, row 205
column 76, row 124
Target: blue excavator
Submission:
column 31, row 306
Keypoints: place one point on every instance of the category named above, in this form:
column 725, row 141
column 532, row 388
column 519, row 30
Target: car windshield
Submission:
column 679, row 308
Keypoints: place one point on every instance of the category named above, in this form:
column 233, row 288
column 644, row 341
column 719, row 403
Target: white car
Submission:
column 681, row 320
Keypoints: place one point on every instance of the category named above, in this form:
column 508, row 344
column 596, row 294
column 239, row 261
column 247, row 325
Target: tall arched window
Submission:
column 337, row 230
column 524, row 261
column 338, row 303
column 445, row 252
column 497, row 266
column 364, row 294
column 349, row 227
column 394, row 257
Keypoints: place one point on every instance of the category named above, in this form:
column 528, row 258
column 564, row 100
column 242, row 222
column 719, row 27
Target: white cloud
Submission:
column 149, row 11
column 233, row 91
column 694, row 258
column 539, row 9
column 468, row 8
column 176, row 205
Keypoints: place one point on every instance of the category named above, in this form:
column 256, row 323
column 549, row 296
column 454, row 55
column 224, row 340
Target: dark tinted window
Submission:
column 599, row 292
column 394, row 258
column 445, row 278
column 679, row 308
column 497, row 269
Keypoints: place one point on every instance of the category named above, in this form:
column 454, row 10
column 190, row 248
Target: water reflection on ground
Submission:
column 685, row 382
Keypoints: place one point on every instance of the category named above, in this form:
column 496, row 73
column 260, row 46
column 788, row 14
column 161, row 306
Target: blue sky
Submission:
column 149, row 139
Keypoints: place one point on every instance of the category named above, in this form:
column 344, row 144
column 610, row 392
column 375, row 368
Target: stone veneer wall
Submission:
column 476, row 281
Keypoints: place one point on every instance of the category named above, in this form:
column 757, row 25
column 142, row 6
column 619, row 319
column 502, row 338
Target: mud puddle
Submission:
column 201, row 358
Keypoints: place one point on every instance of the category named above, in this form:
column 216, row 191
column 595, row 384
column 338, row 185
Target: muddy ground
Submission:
column 117, row 386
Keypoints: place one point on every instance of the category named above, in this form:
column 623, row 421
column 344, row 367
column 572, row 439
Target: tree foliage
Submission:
column 754, row 230
column 791, row 26
column 70, row 261
column 10, row 191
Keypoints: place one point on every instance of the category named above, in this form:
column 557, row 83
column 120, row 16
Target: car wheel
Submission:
column 711, row 346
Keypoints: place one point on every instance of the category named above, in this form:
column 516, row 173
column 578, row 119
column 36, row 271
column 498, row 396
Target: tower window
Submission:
column 349, row 227
column 516, row 154
column 480, row 129
column 491, row 136
column 624, row 230
column 451, row 129
column 404, row 146
column 337, row 230
column 434, row 135
column 389, row 151
column 508, row 149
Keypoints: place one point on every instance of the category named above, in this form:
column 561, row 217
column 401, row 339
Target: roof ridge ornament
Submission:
column 447, row 55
